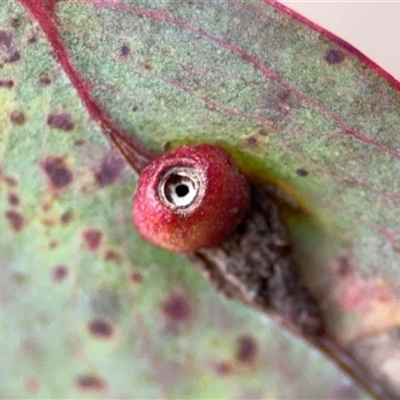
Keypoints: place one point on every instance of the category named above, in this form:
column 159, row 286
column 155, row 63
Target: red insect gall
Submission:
column 190, row 198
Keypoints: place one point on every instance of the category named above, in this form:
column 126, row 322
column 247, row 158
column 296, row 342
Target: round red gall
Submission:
column 190, row 198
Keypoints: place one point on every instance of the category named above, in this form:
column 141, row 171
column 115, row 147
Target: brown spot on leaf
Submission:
column 136, row 277
column 284, row 96
column 61, row 120
column 32, row 40
column 92, row 238
column 101, row 328
column 125, row 50
column 18, row 277
column 13, row 199
column 48, row 222
column 15, row 220
column 17, row 117
column 247, row 349
column 10, row 181
column 334, row 56
column 46, row 206
column 57, row 172
column 344, row 267
column 5, row 39
column 79, row 142
column 15, row 23
column 32, row 385
column 223, row 368
column 112, row 256
column 44, row 80
column 134, row 108
column 59, row 273
column 90, row 382
column 262, row 132
column 6, row 83
column 252, row 142
column 14, row 57
column 66, row 217
column 53, row 244
column 109, row 170
column 301, row 172
column 177, row 308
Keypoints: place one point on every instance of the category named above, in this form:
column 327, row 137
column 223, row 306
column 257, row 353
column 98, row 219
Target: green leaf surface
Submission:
column 89, row 310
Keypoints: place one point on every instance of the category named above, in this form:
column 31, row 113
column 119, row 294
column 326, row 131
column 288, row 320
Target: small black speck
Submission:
column 301, row 172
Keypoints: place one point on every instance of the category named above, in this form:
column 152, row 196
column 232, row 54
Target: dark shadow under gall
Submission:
column 256, row 268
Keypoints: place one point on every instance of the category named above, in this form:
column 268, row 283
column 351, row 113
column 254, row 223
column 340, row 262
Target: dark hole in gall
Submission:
column 241, row 228
column 182, row 190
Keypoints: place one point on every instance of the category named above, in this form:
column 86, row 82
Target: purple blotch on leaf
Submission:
column 14, row 57
column 334, row 56
column 92, row 238
column 13, row 199
column 45, row 80
column 112, row 256
column 101, row 329
column 59, row 273
column 177, row 308
column 125, row 50
column 15, row 220
column 90, row 382
column 17, row 118
column 60, row 120
column 247, row 349
column 6, row 83
column 57, row 172
column 109, row 170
